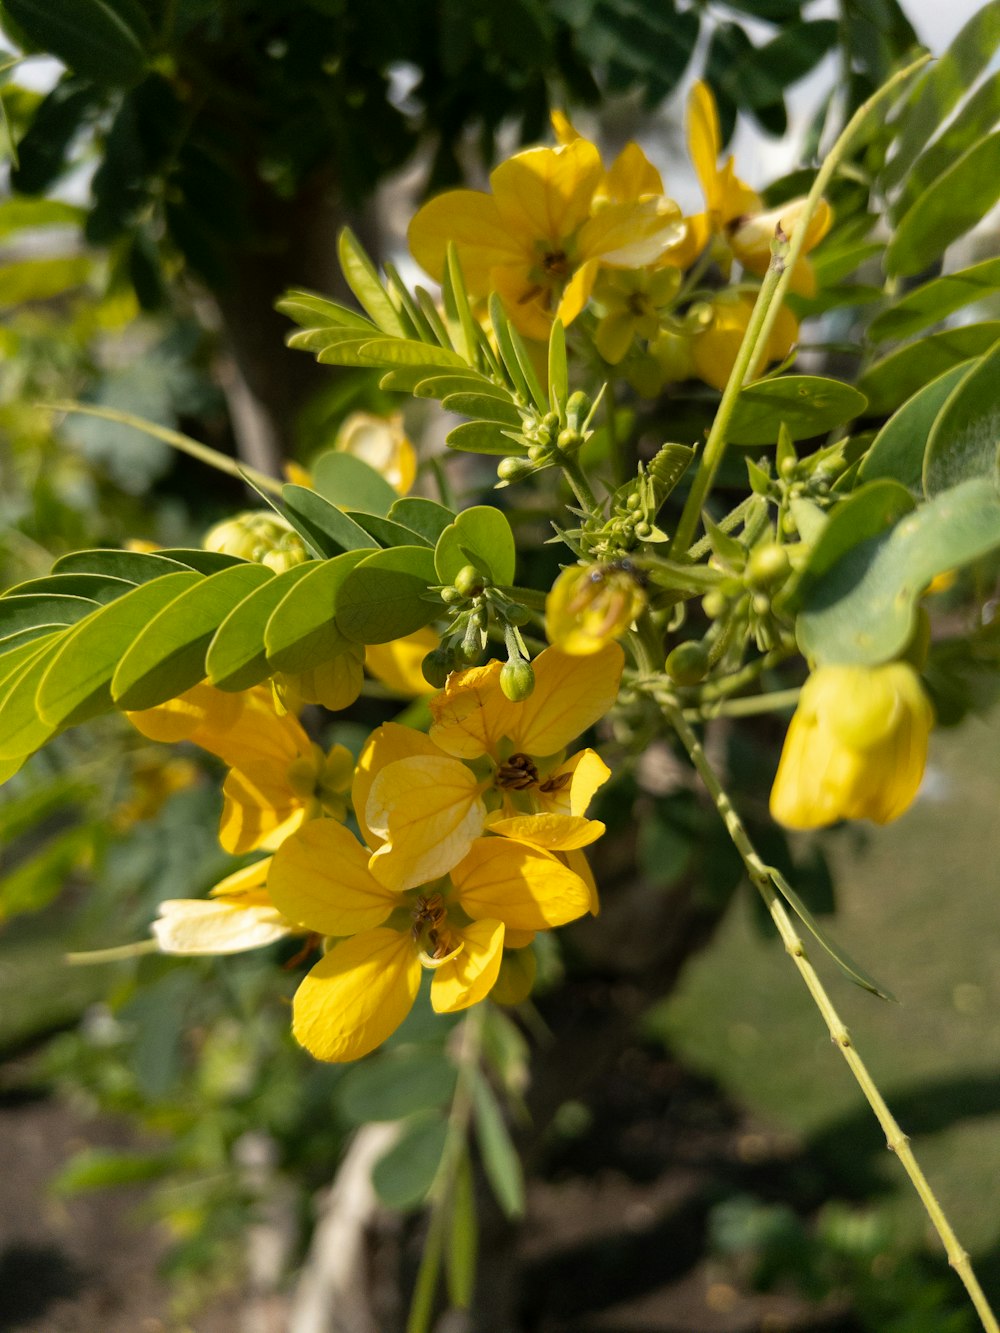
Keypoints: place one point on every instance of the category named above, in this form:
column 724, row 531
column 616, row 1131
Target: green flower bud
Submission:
column 768, row 565
column 516, row 614
column 514, row 469
column 469, row 582
column 436, row 666
column 688, row 663
column 451, row 596
column 517, row 679
column 714, row 604
column 569, row 439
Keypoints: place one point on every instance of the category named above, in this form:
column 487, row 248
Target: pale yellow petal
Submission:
column 429, row 810
column 257, row 802
column 544, row 194
column 246, row 886
column 570, row 695
column 527, row 301
column 320, row 878
column 472, row 713
column 201, row 707
column 397, row 664
column 552, row 832
column 357, row 995
column 385, row 745
column 524, row 887
column 334, row 684
column 578, row 863
column 215, row 926
column 632, row 175
column 572, row 786
column 632, row 235
column 470, row 975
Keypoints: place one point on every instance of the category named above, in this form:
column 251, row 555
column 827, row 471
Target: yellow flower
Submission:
column 734, row 211
column 538, row 240
column 490, row 764
column 715, row 346
column 259, row 535
column 277, row 776
column 855, row 748
column 588, row 606
column 380, row 442
column 500, row 893
column 238, row 915
column 397, row 664
column 631, row 300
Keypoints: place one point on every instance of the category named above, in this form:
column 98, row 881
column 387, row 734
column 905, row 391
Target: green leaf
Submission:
column 310, row 310
column 22, row 731
column 39, row 880
column 42, row 279
column 456, row 306
column 515, row 358
column 483, row 534
column 897, row 451
column 168, row 657
column 483, row 407
column 351, row 483
column 807, row 404
column 383, row 598
column 45, row 145
column 480, row 437
column 975, row 119
column 95, row 587
column 904, row 372
column 407, row 352
column 38, row 609
column 205, row 562
column 323, row 525
column 104, row 40
column 15, row 657
column 133, row 566
column 236, row 659
column 440, row 386
column 104, row 1168
column 424, row 516
column 947, row 209
column 386, row 532
column 933, row 300
column 866, row 514
column 396, row 1084
column 862, row 610
column 558, row 368
column 500, row 1160
column 847, row 965
column 941, row 87
column 364, row 282
column 463, row 1238
column 965, row 437
column 403, row 1176
column 302, row 632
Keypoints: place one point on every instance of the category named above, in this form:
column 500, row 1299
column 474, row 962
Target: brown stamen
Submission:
column 517, row 773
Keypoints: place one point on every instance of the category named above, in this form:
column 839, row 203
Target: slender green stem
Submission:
column 765, row 312
column 183, row 443
column 581, row 486
column 896, row 1140
column 113, row 955
column 724, row 686
column 746, row 707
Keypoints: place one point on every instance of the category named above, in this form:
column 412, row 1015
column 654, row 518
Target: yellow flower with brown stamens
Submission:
column 855, row 748
column 365, row 986
column 537, row 239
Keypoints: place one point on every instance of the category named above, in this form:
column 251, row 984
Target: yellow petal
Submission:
column 334, row 684
column 320, row 878
column 577, row 291
column 397, row 664
column 257, row 802
column 429, row 810
column 381, row 442
column 206, row 926
column 614, row 335
column 357, row 995
column 246, row 886
column 554, row 833
column 469, row 976
column 482, row 238
column 528, row 302
column 544, row 194
column 472, row 713
column 384, row 746
column 524, row 887
column 572, row 786
column 200, row 708
column 632, row 235
column 704, row 140
column 570, row 694
column 632, row 175
column 578, row 863
column 516, row 978
column 562, row 127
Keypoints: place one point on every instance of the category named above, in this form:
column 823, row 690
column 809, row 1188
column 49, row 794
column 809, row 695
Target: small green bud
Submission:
column 551, row 421
column 643, row 529
column 516, row 614
column 634, row 502
column 714, row 604
column 577, row 407
column 538, row 452
column 768, row 565
column 569, row 439
column 761, row 603
column 787, row 467
column 688, row 663
column 436, row 666
column 451, row 596
column 517, row 679
column 469, row 582
column 514, row 469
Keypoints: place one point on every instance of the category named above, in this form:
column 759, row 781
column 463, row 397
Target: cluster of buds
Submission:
column 800, row 488
column 476, row 603
column 260, row 535
column 549, row 438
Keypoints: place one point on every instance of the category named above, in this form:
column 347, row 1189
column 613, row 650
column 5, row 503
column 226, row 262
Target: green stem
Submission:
column 765, row 312
column 581, row 487
column 747, row 707
column 896, row 1140
column 183, row 443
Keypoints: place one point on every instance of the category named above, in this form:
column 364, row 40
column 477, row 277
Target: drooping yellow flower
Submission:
column 589, row 606
column 855, row 748
column 715, row 346
column 488, row 763
column 538, row 240
column 277, row 777
column 734, row 211
column 238, row 915
column 500, row 892
column 381, row 442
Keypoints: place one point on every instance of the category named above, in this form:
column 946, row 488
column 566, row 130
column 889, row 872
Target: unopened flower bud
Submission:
column 436, row 666
column 687, row 663
column 469, row 582
column 768, row 565
column 514, row 469
column 517, row 679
